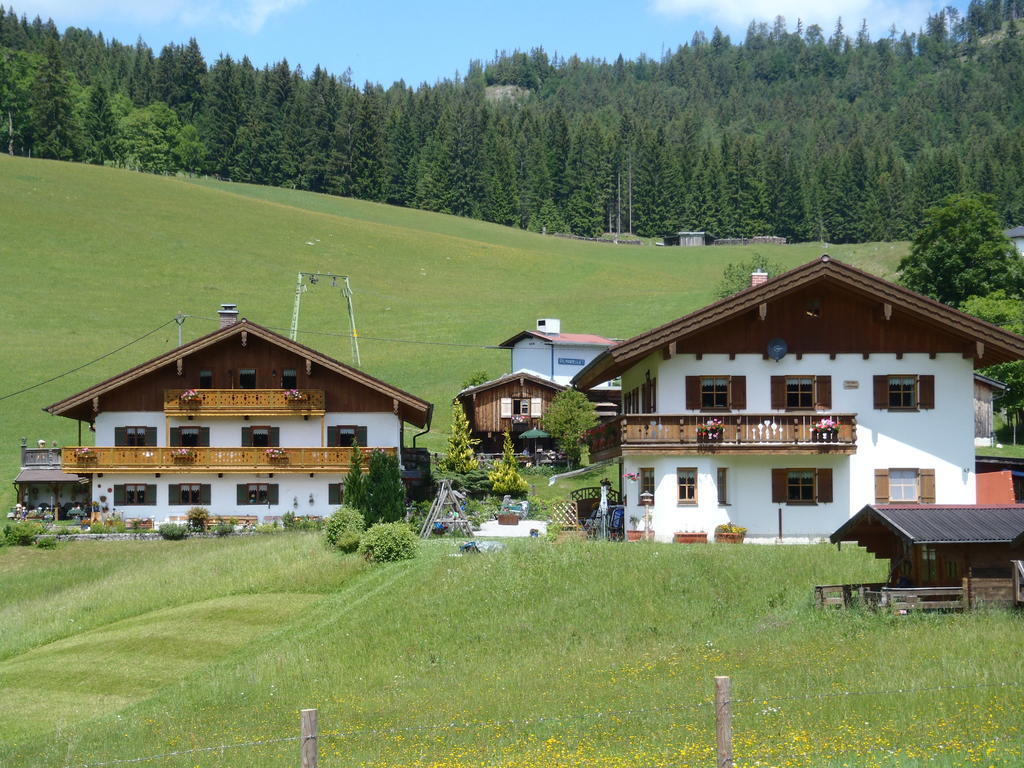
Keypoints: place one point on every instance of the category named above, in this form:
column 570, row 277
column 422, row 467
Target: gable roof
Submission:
column 560, row 338
column 1016, row 231
column 412, row 409
column 536, row 378
column 940, row 523
column 1000, row 345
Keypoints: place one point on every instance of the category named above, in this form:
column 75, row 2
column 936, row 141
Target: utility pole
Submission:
column 631, row 192
column 306, row 279
column 180, row 320
column 618, row 206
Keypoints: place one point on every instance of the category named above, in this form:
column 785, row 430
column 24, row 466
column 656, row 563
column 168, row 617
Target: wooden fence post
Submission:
column 723, row 722
column 307, row 738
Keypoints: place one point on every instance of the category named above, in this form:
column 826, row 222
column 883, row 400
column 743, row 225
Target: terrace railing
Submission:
column 158, row 459
column 243, row 402
column 764, row 432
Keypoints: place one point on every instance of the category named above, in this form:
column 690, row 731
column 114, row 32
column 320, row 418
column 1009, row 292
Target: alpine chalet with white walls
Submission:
column 243, row 421
column 789, row 406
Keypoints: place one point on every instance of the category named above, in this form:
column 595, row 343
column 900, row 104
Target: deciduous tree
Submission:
column 568, row 418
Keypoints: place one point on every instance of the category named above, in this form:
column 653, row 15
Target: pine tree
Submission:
column 505, row 477
column 460, row 456
column 53, row 127
column 355, row 481
column 100, row 126
column 385, row 494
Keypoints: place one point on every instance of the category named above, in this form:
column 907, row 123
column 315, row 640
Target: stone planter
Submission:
column 730, row 538
column 699, row 537
column 508, row 518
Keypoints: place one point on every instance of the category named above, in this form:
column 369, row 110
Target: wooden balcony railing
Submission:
column 243, row 402
column 747, row 432
column 154, row 459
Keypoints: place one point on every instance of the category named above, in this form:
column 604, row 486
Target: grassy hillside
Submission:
column 93, row 258
column 595, row 654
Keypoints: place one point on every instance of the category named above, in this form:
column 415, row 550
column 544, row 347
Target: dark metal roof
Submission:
column 940, row 524
column 47, row 476
column 1016, row 231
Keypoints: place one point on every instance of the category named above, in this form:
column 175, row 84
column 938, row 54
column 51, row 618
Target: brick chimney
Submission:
column 228, row 314
column 758, row 277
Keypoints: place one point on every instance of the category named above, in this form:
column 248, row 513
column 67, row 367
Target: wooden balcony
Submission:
column 154, row 459
column 748, row 433
column 244, row 402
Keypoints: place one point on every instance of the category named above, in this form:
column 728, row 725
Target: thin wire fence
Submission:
column 342, row 735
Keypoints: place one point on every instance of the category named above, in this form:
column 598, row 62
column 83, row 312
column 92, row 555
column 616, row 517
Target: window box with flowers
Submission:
column 730, row 533
column 276, row 454
column 183, row 454
column 690, row 537
column 85, row 453
column 710, row 430
column 190, row 397
column 295, row 396
column 825, row 430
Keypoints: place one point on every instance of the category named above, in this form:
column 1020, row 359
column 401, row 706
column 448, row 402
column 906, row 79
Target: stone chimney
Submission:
column 228, row 314
column 758, row 277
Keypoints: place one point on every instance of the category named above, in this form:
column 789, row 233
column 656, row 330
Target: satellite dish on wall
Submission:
column 777, row 349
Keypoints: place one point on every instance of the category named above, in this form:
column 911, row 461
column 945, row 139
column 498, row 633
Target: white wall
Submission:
column 383, row 429
column 542, row 357
column 294, row 491
column 532, row 354
column 940, row 438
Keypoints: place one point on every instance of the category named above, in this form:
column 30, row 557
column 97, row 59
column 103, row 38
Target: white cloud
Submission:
column 907, row 15
column 246, row 15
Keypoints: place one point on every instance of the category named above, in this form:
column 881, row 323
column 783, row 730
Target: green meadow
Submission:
column 575, row 654
column 94, row 258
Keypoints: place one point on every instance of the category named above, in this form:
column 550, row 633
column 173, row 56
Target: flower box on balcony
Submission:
column 295, row 396
column 710, row 430
column 85, row 454
column 690, row 537
column 190, row 397
column 183, row 454
column 277, row 454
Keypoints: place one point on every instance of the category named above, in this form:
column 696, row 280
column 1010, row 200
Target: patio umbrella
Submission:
column 535, row 435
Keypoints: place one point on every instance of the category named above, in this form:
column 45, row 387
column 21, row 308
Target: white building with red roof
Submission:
column 554, row 355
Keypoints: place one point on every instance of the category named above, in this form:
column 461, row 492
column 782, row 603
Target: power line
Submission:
column 85, row 365
column 221, row 747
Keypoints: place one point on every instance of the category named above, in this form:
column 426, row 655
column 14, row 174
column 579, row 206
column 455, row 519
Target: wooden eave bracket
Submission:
column 309, row 366
column 762, row 310
column 179, row 365
column 979, row 347
column 245, row 338
column 887, row 310
column 96, row 404
column 394, row 404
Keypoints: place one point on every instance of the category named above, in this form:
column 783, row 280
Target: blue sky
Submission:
column 418, row 41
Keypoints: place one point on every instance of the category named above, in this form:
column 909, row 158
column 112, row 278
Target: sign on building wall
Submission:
column 571, row 361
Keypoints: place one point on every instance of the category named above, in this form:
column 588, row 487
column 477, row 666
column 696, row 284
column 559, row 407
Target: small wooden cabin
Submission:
column 977, row 550
column 515, row 402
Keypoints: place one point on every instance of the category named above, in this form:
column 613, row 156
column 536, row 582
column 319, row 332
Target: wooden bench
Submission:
column 244, row 520
column 140, row 524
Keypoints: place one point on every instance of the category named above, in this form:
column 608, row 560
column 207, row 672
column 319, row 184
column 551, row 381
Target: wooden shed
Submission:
column 515, row 402
column 965, row 554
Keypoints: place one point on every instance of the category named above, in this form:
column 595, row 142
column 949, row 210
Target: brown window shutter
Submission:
column 361, row 436
column 334, row 493
column 242, row 493
column 204, row 437
column 926, row 479
column 881, row 486
column 738, row 393
column 173, row 494
column 150, row 495
column 881, row 385
column 778, row 393
column 779, row 476
column 175, row 436
column 823, row 392
column 119, row 495
column 825, row 486
column 925, row 391
column 275, row 436
column 120, row 436
column 150, row 435
column 247, row 437
column 205, row 493
column 693, row 393
column 272, row 495
column 333, row 437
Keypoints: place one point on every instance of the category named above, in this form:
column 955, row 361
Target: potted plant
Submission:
column 276, row 454
column 295, row 396
column 85, row 453
column 183, row 454
column 730, row 533
column 690, row 537
column 712, row 429
column 190, row 396
column 825, row 430
column 634, row 533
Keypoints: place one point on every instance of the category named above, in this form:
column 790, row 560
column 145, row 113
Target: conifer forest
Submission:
column 799, row 132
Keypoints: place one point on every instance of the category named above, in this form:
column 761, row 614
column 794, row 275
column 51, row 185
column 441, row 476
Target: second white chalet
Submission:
column 791, row 405
column 243, row 421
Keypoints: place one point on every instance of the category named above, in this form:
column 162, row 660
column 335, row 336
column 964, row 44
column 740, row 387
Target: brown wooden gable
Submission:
column 227, row 351
column 824, row 306
column 824, row 318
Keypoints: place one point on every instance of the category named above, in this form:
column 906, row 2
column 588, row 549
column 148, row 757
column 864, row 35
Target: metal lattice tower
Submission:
column 302, row 284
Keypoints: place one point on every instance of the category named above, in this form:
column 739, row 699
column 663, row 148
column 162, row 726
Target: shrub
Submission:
column 22, row 534
column 345, row 520
column 173, row 531
column 268, row 528
column 223, row 528
column 387, row 542
column 47, row 542
column 348, row 542
column 197, row 517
